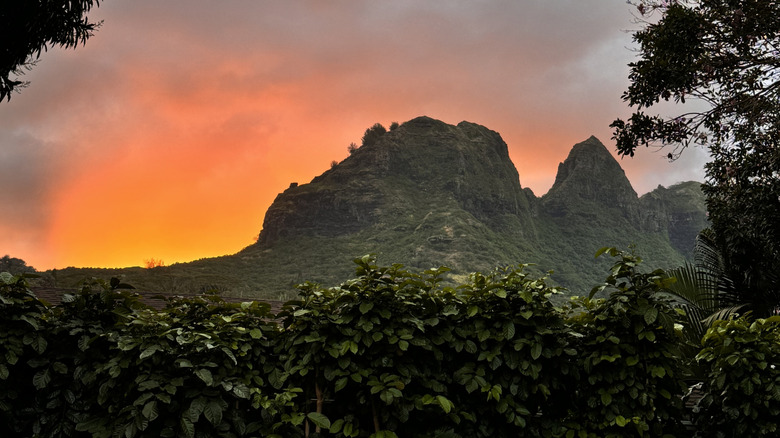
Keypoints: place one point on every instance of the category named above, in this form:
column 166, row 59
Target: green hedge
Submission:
column 390, row 353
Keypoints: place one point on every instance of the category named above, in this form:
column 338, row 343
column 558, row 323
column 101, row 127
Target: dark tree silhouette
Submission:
column 725, row 56
column 14, row 265
column 373, row 134
column 29, row 27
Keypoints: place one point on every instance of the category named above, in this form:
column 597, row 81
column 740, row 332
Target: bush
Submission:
column 629, row 353
column 23, row 341
column 373, row 134
column 743, row 380
column 389, row 353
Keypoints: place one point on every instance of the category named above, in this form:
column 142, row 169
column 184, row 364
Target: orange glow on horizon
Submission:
column 168, row 135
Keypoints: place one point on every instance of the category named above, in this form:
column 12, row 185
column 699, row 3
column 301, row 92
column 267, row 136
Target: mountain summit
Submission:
column 423, row 164
column 427, row 194
column 590, row 174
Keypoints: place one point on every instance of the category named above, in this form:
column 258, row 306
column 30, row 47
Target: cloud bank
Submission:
column 172, row 130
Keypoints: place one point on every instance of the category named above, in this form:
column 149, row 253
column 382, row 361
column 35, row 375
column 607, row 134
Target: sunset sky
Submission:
column 170, row 133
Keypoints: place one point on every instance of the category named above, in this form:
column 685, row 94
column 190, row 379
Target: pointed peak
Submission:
column 590, row 146
column 591, row 172
column 588, row 157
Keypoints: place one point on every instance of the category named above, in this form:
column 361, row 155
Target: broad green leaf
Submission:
column 205, row 375
column 213, row 412
column 148, row 384
column 509, row 330
column 340, row 384
column 255, row 333
column 187, row 428
column 41, row 379
column 366, row 306
column 651, row 315
column 445, row 404
column 196, row 408
column 39, row 344
column 658, row 371
column 275, row 378
column 150, row 410
column 7, row 278
column 59, row 367
column 241, row 391
column 319, row 419
column 536, row 351
column 32, row 321
column 148, row 351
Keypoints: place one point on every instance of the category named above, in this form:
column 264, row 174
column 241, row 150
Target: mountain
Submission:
column 592, row 204
column 427, row 194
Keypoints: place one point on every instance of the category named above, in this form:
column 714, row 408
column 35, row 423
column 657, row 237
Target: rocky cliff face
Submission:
column 422, row 161
column 591, row 178
column 428, row 194
column 679, row 210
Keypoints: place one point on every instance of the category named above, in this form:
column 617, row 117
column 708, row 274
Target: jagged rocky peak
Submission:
column 423, row 159
column 591, row 174
column 590, row 162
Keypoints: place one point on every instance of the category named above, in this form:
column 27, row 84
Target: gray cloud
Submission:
column 544, row 74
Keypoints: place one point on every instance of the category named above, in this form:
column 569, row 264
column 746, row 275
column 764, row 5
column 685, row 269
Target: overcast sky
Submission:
column 170, row 133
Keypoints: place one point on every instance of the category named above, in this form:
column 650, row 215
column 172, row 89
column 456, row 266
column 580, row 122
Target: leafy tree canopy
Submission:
column 28, row 27
column 722, row 58
column 14, row 265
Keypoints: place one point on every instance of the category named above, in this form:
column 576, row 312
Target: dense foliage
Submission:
column 390, row 353
column 14, row 265
column 722, row 57
column 743, row 384
column 630, row 353
column 29, row 27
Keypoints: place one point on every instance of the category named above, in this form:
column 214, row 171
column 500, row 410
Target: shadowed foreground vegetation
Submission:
column 390, row 353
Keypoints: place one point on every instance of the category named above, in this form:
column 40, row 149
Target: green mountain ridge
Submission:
column 428, row 194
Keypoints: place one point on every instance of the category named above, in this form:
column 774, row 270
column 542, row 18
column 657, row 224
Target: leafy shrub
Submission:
column 389, row 353
column 373, row 134
column 22, row 340
column 632, row 376
column 364, row 352
column 511, row 346
column 743, row 381
column 199, row 368
column 65, row 380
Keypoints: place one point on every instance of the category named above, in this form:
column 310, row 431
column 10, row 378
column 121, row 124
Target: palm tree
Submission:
column 710, row 290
